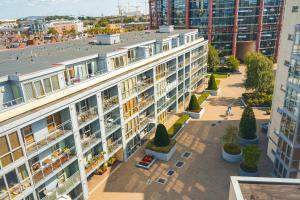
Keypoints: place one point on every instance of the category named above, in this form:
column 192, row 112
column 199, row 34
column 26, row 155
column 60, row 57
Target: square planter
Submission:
column 161, row 156
column 195, row 115
column 214, row 92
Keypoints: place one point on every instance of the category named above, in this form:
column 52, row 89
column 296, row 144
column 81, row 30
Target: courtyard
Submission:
column 203, row 174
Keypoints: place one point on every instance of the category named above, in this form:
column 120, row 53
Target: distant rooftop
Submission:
column 36, row 58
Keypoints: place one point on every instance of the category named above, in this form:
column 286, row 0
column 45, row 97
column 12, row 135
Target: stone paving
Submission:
column 205, row 175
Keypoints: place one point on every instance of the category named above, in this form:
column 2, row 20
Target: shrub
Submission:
column 212, row 85
column 233, row 63
column 251, row 155
column 111, row 161
column 258, row 99
column 102, row 169
column 247, row 128
column 233, row 149
column 164, row 149
column 194, row 105
column 213, row 57
column 203, row 97
column 161, row 138
column 178, row 124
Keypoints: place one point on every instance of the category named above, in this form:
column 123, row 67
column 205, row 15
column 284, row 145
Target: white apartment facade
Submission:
column 88, row 102
column 283, row 130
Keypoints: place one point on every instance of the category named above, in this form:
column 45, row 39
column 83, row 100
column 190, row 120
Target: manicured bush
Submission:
column 212, row 85
column 177, row 125
column 233, row 63
column 257, row 99
column 233, row 149
column 251, row 155
column 165, row 149
column 230, row 140
column 247, row 128
column 161, row 138
column 194, row 105
column 203, row 97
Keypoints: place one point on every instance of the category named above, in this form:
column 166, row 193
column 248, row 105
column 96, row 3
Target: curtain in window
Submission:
column 29, row 92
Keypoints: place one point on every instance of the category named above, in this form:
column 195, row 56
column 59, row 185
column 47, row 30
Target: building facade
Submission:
column 61, row 26
column 283, row 133
column 232, row 26
column 69, row 107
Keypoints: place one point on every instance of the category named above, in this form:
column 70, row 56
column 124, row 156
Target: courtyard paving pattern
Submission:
column 204, row 175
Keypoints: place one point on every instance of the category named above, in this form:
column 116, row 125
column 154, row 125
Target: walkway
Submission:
column 204, row 175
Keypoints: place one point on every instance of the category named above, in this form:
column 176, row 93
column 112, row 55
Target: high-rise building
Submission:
column 67, row 108
column 284, row 130
column 232, row 26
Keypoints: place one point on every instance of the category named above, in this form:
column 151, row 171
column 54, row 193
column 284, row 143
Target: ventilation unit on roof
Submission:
column 108, row 39
column 166, row 28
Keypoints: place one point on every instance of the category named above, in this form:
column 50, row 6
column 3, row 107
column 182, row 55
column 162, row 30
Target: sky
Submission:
column 21, row 8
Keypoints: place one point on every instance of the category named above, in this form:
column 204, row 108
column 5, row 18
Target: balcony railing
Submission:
column 94, row 163
column 87, row 115
column 63, row 188
column 167, row 103
column 110, row 103
column 146, row 119
column 91, row 140
column 131, row 131
column 128, row 93
column 145, row 83
column 180, row 92
column 146, row 102
column 171, row 85
column 180, row 64
column 111, row 124
column 171, row 70
column 131, row 112
column 58, row 132
column 11, row 103
column 46, row 167
column 180, row 78
column 17, row 189
column 115, row 145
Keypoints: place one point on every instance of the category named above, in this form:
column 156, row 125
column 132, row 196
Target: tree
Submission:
column 212, row 84
column 259, row 74
column 161, row 138
column 194, row 105
column 231, row 135
column 52, row 31
column 103, row 22
column 233, row 63
column 251, row 155
column 247, row 128
column 213, row 57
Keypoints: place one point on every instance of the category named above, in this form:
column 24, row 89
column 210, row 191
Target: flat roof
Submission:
column 36, row 58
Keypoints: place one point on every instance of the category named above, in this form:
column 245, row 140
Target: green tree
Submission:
column 213, row 57
column 212, row 84
column 233, row 63
column 259, row 74
column 251, row 155
column 247, row 128
column 103, row 22
column 161, row 138
column 52, row 31
column 194, row 105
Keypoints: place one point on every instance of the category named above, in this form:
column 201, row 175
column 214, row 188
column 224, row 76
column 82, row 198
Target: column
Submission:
column 279, row 29
column 150, row 14
column 169, row 12
column 122, row 121
column 235, row 26
column 187, row 17
column 210, row 15
column 260, row 24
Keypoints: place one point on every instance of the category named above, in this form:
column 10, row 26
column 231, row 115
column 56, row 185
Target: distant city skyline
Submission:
column 24, row 8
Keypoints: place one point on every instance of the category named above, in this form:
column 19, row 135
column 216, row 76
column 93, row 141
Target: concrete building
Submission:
column 252, row 188
column 232, row 26
column 8, row 23
column 61, row 26
column 67, row 108
column 283, row 133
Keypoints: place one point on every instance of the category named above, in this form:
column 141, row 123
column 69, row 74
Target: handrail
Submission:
column 11, row 103
column 91, row 112
column 111, row 102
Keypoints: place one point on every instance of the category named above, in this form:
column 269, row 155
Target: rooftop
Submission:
column 36, row 58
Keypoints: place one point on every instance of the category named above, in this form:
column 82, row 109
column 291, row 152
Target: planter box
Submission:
column 231, row 158
column 245, row 173
column 161, row 156
column 214, row 92
column 195, row 115
column 246, row 141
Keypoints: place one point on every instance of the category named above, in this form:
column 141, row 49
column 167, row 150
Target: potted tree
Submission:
column 251, row 155
column 161, row 147
column 213, row 86
column 194, row 109
column 231, row 150
column 247, row 127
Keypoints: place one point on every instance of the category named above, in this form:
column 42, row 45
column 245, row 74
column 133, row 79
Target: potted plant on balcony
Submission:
column 247, row 127
column 111, row 161
column 161, row 147
column 251, row 155
column 194, row 109
column 213, row 88
column 66, row 150
column 231, row 150
column 102, row 169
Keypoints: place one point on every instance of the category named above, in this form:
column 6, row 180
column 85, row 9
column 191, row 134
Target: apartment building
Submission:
column 67, row 108
column 61, row 26
column 233, row 26
column 283, row 133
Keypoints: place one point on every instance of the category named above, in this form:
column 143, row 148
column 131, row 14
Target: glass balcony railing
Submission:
column 171, row 70
column 171, row 85
column 57, row 133
column 114, row 145
column 11, row 103
column 17, row 189
column 145, row 83
column 110, row 103
column 167, row 103
column 146, row 102
column 45, row 168
column 146, row 119
column 87, row 115
column 68, row 184
column 111, row 125
column 94, row 163
column 91, row 140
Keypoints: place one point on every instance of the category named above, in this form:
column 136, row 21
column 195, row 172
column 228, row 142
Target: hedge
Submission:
column 203, row 97
column 177, row 125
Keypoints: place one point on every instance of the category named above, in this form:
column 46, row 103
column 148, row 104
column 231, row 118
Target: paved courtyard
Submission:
column 204, row 175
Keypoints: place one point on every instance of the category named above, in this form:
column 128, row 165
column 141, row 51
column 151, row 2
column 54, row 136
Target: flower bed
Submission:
column 178, row 125
column 146, row 162
column 257, row 99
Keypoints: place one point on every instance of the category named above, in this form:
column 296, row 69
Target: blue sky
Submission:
column 23, row 8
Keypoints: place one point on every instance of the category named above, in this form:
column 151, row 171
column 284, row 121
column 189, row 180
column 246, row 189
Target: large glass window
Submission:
column 10, row 150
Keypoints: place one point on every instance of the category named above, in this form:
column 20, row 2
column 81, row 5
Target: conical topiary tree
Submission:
column 161, row 138
column 212, row 84
column 247, row 128
column 194, row 105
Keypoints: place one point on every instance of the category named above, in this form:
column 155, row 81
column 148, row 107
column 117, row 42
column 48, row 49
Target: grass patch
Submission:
column 177, row 125
column 203, row 97
column 166, row 149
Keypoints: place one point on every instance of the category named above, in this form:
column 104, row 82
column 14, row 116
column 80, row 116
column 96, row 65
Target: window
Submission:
column 47, row 85
column 39, row 88
column 29, row 92
column 10, row 150
column 27, row 134
column 290, row 37
column 55, row 82
column 295, row 9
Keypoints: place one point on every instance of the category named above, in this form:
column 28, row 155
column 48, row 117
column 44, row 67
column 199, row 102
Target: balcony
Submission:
column 168, row 101
column 17, row 189
column 11, row 103
column 180, row 64
column 41, row 170
column 171, row 70
column 87, row 115
column 90, row 141
column 180, row 92
column 94, row 163
column 111, row 125
column 130, row 113
column 62, row 189
column 114, row 145
column 110, row 103
column 132, row 131
column 180, row 78
column 59, row 132
column 144, row 120
column 145, row 83
column 171, row 85
column 144, row 103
